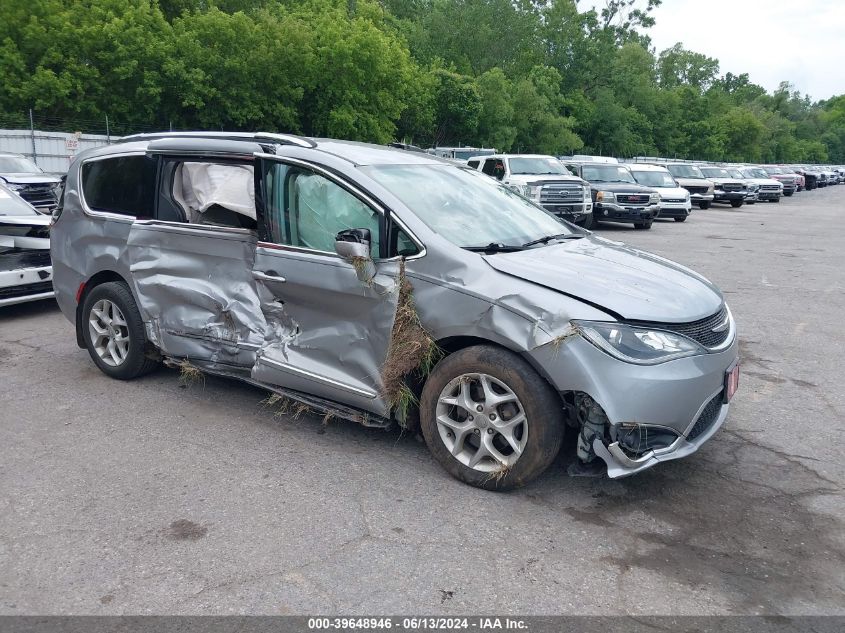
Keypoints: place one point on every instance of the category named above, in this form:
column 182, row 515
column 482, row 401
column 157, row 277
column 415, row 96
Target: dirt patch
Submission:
column 107, row 599
column 185, row 530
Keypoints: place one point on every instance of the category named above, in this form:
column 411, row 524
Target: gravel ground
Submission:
column 148, row 497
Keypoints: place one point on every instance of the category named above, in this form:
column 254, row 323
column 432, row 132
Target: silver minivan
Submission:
column 391, row 287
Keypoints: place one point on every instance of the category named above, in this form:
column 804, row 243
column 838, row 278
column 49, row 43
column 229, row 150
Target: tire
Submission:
column 589, row 222
column 788, row 194
column 462, row 375
column 111, row 308
column 776, row 200
column 704, row 205
column 736, row 204
column 643, row 226
column 681, row 219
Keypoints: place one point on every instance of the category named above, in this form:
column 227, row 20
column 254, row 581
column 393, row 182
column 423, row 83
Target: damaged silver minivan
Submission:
column 384, row 286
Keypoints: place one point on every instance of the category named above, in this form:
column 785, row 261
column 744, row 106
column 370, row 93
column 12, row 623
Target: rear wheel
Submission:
column 704, row 205
column 114, row 332
column 736, row 204
column 489, row 419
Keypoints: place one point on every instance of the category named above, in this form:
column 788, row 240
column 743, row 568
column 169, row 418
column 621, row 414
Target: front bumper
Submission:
column 701, row 197
column 728, row 196
column 768, row 195
column 673, row 396
column 574, row 212
column 675, row 209
column 613, row 212
column 26, row 284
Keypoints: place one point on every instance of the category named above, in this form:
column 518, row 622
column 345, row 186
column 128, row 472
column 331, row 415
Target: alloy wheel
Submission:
column 109, row 332
column 481, row 422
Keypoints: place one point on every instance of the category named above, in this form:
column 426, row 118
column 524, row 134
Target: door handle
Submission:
column 270, row 275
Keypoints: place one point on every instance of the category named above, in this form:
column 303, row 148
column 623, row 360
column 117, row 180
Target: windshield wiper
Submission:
column 494, row 248
column 548, row 238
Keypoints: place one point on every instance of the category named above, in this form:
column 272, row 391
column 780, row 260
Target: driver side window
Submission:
column 307, row 210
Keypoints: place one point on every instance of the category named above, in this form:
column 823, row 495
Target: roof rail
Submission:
column 282, row 139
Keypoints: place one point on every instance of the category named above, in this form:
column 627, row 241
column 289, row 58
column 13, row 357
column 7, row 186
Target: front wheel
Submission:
column 736, row 204
column 681, row 219
column 704, row 205
column 113, row 332
column 643, row 226
column 787, row 194
column 489, row 419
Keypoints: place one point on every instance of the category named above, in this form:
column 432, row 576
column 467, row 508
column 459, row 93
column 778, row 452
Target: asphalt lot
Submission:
column 153, row 497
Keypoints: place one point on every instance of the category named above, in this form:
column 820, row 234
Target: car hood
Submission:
column 693, row 182
column 764, row 181
column 25, row 179
column 672, row 192
column 526, row 179
column 727, row 181
column 621, row 187
column 634, row 284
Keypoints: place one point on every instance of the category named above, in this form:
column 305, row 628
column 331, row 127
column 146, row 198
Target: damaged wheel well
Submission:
column 101, row 277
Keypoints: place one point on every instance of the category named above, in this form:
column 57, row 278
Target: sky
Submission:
column 800, row 41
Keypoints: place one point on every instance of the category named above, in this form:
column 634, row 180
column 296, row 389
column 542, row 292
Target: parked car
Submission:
column 770, row 190
column 616, row 195
column 385, row 286
column 542, row 179
column 752, row 188
column 726, row 189
column 460, row 154
column 690, row 178
column 787, row 179
column 30, row 182
column 674, row 199
column 25, row 270
column 811, row 176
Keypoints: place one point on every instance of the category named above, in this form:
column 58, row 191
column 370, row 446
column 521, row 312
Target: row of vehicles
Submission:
column 588, row 190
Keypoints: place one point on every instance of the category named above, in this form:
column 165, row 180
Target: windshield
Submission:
column 654, row 178
column 734, row 173
column 715, row 172
column 685, row 171
column 537, row 166
column 466, row 207
column 606, row 173
column 774, row 170
column 756, row 173
column 11, row 204
column 18, row 165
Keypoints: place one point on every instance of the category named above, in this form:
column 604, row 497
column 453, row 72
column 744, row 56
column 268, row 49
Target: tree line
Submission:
column 518, row 75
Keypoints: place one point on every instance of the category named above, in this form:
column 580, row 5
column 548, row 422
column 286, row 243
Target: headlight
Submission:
column 586, row 193
column 605, row 195
column 641, row 346
column 531, row 191
column 710, row 188
column 13, row 186
column 655, row 197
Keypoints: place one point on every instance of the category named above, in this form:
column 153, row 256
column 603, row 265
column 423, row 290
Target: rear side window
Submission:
column 123, row 185
column 473, row 163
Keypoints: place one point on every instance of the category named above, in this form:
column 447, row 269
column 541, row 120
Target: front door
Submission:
column 328, row 331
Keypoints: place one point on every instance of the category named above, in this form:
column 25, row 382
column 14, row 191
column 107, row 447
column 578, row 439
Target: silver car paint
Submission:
column 220, row 298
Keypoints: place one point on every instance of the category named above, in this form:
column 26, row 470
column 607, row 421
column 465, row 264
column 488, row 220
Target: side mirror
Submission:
column 353, row 245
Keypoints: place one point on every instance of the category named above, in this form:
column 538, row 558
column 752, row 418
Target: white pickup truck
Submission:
column 542, row 179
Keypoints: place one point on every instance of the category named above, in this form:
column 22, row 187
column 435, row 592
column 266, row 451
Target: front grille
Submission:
column 700, row 331
column 708, row 416
column 16, row 259
column 39, row 195
column 558, row 193
column 770, row 188
column 696, row 189
column 13, row 292
column 632, row 198
column 732, row 186
column 674, row 200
